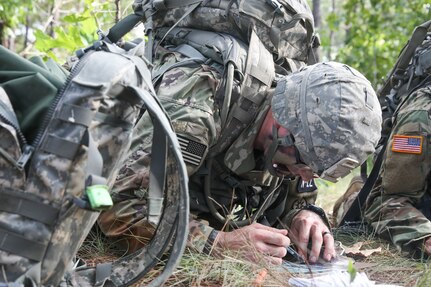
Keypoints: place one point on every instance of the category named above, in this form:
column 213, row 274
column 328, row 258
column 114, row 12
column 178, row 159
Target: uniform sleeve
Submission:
column 199, row 236
column 393, row 206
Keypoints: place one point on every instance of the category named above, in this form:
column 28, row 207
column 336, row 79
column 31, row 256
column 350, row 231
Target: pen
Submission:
column 295, row 254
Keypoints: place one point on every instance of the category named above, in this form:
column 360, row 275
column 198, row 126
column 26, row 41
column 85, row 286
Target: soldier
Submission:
column 398, row 207
column 398, row 204
column 322, row 121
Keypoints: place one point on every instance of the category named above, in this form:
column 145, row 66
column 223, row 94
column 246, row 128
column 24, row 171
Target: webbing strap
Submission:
column 15, row 202
column 60, row 147
column 187, row 13
column 355, row 211
column 95, row 159
column 157, row 173
column 103, row 272
column 19, row 245
column 189, row 51
column 185, row 63
column 76, row 114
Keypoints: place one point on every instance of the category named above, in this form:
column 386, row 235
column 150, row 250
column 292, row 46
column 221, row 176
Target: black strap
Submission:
column 60, row 147
column 354, row 213
column 19, row 245
column 16, row 202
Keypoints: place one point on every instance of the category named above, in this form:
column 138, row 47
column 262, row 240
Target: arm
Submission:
column 392, row 208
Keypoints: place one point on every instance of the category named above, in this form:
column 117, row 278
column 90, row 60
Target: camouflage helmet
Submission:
column 333, row 114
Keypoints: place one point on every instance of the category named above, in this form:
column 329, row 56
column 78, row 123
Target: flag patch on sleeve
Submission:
column 407, row 144
column 192, row 151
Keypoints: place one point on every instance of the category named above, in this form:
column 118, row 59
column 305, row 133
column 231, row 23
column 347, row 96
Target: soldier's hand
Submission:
column 427, row 245
column 308, row 226
column 256, row 239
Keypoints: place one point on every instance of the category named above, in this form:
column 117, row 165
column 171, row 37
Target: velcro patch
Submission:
column 306, row 186
column 192, row 151
column 407, row 144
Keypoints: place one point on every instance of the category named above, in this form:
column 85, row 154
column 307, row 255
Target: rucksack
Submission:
column 248, row 43
column 62, row 143
column 411, row 72
column 277, row 35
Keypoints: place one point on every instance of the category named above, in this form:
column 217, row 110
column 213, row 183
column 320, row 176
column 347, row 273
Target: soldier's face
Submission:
column 287, row 160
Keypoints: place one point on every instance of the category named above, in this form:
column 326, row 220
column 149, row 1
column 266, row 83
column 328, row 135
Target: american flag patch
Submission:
column 407, row 144
column 192, row 151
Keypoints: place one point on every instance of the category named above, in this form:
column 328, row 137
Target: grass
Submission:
column 389, row 266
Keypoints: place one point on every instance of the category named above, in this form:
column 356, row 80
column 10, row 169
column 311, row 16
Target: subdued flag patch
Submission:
column 407, row 144
column 192, row 151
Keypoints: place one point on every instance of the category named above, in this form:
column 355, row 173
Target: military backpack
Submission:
column 63, row 138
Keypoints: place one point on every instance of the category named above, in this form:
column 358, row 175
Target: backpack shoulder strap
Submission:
column 258, row 77
column 355, row 211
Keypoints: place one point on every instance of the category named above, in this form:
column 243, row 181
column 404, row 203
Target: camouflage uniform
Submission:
column 197, row 123
column 398, row 208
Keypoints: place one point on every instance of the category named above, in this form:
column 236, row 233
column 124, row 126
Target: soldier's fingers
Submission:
column 316, row 243
column 272, row 250
column 269, row 228
column 301, row 235
column 273, row 238
column 328, row 240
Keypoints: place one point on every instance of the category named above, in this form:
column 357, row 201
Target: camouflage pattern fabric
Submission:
column 287, row 32
column 327, row 130
column 398, row 204
column 343, row 203
column 193, row 119
column 42, row 220
column 187, row 95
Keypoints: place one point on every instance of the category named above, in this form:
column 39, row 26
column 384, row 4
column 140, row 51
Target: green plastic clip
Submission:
column 99, row 197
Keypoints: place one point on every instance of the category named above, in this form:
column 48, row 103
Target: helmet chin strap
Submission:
column 272, row 150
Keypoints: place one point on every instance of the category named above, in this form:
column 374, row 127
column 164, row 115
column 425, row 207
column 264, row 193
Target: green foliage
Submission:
column 56, row 28
column 376, row 31
column 352, row 271
column 77, row 30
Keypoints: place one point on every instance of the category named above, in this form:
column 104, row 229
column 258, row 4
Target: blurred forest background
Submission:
column 366, row 34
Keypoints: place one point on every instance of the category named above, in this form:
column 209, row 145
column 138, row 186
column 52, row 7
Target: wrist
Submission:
column 319, row 211
column 211, row 242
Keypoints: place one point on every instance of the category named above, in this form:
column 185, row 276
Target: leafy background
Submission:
column 366, row 34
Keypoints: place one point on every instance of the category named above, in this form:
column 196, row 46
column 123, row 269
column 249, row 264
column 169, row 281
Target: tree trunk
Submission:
column 117, row 11
column 316, row 13
column 331, row 36
column 317, row 23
